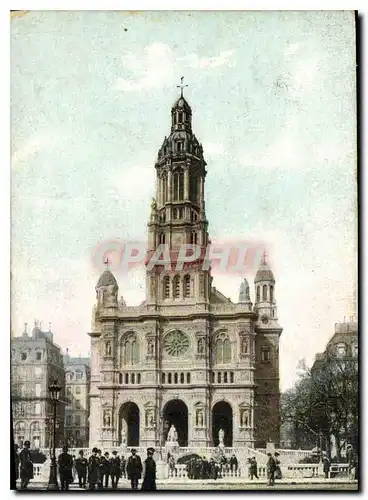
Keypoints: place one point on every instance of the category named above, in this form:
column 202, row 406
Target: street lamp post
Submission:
column 54, row 391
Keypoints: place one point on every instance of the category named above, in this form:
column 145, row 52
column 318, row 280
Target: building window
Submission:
column 132, row 378
column 68, row 420
column 138, row 378
column 231, row 377
column 193, row 238
column 258, row 293
column 180, row 117
column 166, row 285
column 78, row 375
column 175, row 378
column 178, row 194
column 38, row 390
column 69, row 390
column 222, row 350
column 182, row 378
column 38, row 372
column 162, row 238
column 213, row 377
column 38, row 356
column 271, row 293
column 164, row 188
column 37, row 409
column 264, row 294
column 219, row 377
column 78, row 405
column 169, row 378
column 24, row 356
column 176, row 287
column 78, row 389
column 188, row 378
column 77, row 420
column 127, row 378
column 180, row 146
column 265, row 354
column 163, row 378
column 130, row 350
column 186, row 286
column 120, row 378
column 225, row 378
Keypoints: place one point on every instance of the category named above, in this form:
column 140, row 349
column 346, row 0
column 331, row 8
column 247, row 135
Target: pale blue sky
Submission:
column 273, row 100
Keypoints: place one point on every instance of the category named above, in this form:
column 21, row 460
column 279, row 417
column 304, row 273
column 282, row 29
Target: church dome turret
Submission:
column 107, row 290
column 264, row 273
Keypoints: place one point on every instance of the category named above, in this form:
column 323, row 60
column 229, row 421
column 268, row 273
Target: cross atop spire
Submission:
column 107, row 262
column 181, row 86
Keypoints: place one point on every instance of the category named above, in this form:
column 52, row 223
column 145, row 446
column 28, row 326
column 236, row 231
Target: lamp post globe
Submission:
column 54, row 392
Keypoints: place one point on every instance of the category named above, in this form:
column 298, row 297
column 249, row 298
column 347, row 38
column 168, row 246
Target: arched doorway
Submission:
column 222, row 418
column 176, row 413
column 129, row 423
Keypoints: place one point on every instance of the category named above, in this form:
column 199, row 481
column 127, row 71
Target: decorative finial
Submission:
column 106, row 262
column 264, row 255
column 181, row 86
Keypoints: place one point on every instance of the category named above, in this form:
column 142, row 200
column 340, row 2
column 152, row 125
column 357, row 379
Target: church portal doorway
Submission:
column 222, row 418
column 176, row 413
column 129, row 423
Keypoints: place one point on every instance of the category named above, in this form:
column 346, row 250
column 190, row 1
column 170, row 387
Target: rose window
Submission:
column 176, row 343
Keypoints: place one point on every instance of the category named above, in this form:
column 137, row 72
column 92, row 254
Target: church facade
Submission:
column 187, row 356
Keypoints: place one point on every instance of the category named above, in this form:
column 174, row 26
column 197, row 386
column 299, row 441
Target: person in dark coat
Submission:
column 149, row 472
column 101, row 468
column 105, row 470
column 65, row 463
column 115, row 470
column 123, row 466
column 26, row 466
column 93, row 469
column 134, row 469
column 233, row 464
column 16, row 461
column 271, row 468
column 278, row 474
column 253, row 468
column 326, row 466
column 81, row 464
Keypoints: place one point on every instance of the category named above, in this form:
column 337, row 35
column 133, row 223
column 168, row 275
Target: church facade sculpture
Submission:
column 187, row 351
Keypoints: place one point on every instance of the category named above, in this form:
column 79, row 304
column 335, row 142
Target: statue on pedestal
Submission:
column 172, row 436
column 221, row 436
column 123, row 438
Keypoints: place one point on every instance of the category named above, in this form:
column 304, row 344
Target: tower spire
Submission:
column 264, row 258
column 181, row 86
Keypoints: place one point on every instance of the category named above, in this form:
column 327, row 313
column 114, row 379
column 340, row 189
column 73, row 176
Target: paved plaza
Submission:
column 241, row 484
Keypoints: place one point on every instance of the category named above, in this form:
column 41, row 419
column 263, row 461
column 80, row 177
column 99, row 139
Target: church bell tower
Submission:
column 178, row 214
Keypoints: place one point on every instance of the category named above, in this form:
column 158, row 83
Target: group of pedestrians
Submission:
column 201, row 468
column 273, row 468
column 253, row 468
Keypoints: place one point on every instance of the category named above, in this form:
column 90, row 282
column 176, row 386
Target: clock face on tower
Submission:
column 264, row 320
column 176, row 343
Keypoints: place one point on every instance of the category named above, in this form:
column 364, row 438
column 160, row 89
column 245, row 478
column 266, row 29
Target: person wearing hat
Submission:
column 26, row 465
column 93, row 469
column 271, row 467
column 65, row 463
column 115, row 469
column 149, row 472
column 134, row 469
column 81, row 464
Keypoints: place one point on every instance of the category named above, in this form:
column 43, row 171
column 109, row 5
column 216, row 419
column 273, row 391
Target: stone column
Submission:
column 169, row 186
column 186, row 182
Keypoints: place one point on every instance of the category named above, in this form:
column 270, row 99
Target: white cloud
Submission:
column 157, row 66
column 29, row 148
column 225, row 58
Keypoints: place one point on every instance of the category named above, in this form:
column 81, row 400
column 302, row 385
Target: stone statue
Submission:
column 108, row 348
column 221, row 436
column 150, row 347
column 122, row 303
column 244, row 291
column 123, row 438
column 153, row 205
column 36, row 444
column 172, row 435
column 244, row 418
column 200, row 346
column 245, row 347
column 199, row 418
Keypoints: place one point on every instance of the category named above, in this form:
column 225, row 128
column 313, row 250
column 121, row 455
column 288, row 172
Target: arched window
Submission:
column 164, row 188
column 138, row 378
column 271, row 293
column 166, row 285
column 162, row 238
column 219, row 377
column 163, row 378
column 120, row 378
column 188, row 378
column 227, row 351
column 231, row 377
column 132, row 378
column 178, row 193
column 175, row 378
column 169, row 378
column 264, row 294
column 258, row 293
column 212, row 377
column 127, row 378
column 186, row 286
column 130, row 348
column 176, row 286
column 193, row 183
column 222, row 349
column 180, row 118
column 225, row 377
column 193, row 237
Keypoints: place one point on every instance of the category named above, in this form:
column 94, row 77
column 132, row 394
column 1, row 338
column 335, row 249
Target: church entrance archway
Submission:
column 129, row 424
column 176, row 413
column 222, row 418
